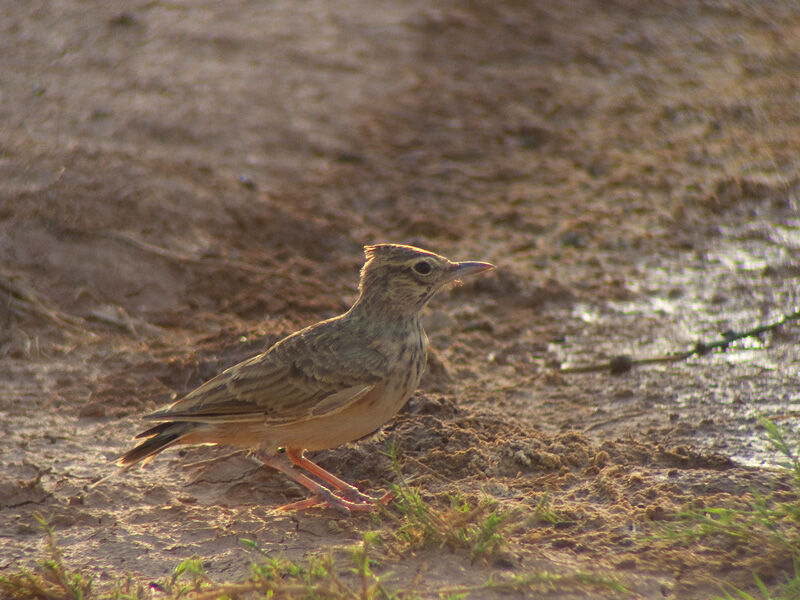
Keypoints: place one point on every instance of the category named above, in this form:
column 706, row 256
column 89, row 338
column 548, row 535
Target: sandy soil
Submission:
column 183, row 183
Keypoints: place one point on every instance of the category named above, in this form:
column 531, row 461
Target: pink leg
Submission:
column 320, row 494
column 298, row 458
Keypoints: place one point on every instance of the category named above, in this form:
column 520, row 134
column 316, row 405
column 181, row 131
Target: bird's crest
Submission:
column 389, row 251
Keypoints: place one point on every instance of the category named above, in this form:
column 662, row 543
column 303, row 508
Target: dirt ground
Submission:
column 182, row 183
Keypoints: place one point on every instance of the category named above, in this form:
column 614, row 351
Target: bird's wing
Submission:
column 274, row 389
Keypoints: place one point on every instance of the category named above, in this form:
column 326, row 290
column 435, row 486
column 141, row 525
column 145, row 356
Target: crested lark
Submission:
column 328, row 384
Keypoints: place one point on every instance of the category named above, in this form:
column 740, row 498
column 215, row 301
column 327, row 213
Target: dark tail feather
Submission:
column 158, row 438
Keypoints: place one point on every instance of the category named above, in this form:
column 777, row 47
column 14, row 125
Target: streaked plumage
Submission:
column 328, row 384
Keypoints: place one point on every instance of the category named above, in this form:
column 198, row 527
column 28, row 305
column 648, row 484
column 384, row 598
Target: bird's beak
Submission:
column 462, row 269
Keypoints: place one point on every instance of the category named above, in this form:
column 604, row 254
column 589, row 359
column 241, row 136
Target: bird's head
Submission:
column 402, row 279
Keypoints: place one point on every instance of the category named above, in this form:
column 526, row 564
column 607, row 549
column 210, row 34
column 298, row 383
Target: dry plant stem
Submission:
column 615, row 419
column 239, row 590
column 22, row 298
column 123, row 321
column 180, row 257
column 211, row 461
column 624, row 363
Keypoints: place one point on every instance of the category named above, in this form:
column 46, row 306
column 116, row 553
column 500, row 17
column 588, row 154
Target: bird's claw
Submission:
column 339, row 503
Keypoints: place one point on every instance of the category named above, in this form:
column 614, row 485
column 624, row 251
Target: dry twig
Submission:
column 22, row 299
column 624, row 363
column 180, row 257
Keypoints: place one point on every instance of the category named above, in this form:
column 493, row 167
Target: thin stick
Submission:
column 624, row 363
column 180, row 257
column 24, row 299
column 211, row 461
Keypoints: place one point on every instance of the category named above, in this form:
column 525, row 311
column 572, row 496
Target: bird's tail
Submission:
column 156, row 439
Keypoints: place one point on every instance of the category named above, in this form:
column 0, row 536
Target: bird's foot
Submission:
column 360, row 497
column 347, row 499
column 354, row 494
column 386, row 498
column 326, row 497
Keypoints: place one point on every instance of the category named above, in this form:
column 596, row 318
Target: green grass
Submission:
column 760, row 530
column 51, row 580
column 542, row 582
column 789, row 590
column 481, row 529
column 317, row 578
column 473, row 531
column 760, row 524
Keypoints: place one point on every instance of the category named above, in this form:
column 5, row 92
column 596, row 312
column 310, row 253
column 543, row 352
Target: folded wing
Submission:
column 270, row 391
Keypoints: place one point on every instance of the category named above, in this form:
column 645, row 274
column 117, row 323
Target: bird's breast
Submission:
column 409, row 364
column 405, row 359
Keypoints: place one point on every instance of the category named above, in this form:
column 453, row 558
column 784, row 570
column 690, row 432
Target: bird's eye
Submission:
column 422, row 267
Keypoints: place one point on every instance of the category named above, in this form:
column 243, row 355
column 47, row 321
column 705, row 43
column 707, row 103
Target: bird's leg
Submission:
column 298, row 458
column 320, row 494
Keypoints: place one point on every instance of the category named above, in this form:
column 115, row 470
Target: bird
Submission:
column 329, row 384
